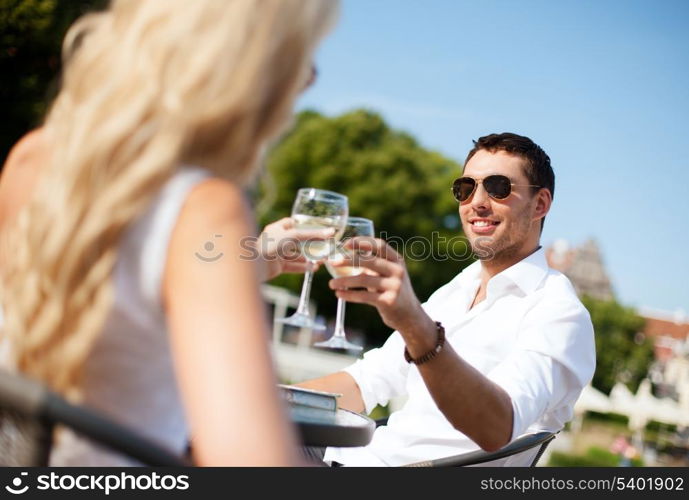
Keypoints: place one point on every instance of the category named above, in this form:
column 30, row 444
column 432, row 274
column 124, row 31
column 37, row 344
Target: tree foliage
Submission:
column 31, row 33
column 389, row 178
column 622, row 352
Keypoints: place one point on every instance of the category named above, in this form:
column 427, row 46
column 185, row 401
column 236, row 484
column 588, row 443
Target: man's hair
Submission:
column 537, row 166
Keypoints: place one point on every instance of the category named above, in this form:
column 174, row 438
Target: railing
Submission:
column 297, row 361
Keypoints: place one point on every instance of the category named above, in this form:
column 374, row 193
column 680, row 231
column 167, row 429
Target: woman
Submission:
column 122, row 285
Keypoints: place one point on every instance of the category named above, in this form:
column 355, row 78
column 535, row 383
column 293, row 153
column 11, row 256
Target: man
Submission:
column 503, row 349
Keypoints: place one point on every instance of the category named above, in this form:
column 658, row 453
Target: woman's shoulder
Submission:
column 29, row 151
column 189, row 210
column 212, row 207
column 214, row 200
column 213, row 221
column 21, row 170
column 192, row 203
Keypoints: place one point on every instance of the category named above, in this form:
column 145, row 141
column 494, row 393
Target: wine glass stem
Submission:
column 339, row 321
column 303, row 307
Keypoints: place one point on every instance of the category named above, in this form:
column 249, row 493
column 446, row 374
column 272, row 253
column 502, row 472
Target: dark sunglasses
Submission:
column 498, row 187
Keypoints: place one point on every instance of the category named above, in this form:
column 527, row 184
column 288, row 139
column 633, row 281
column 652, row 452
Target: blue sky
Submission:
column 602, row 86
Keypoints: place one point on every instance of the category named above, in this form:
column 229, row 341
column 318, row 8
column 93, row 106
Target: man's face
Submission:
column 509, row 220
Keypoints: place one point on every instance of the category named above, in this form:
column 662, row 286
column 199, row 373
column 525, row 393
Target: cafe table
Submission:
column 341, row 428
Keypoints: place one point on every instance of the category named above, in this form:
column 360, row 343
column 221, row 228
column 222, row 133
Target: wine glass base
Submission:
column 301, row 321
column 338, row 343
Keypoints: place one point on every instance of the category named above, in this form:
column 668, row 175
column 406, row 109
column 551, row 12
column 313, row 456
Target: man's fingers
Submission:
column 371, row 283
column 358, row 296
column 376, row 246
column 372, row 263
column 380, row 266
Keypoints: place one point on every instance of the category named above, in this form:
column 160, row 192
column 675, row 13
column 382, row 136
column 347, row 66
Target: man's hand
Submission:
column 279, row 249
column 387, row 284
column 471, row 402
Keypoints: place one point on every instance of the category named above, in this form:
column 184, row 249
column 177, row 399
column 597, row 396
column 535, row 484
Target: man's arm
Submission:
column 341, row 383
column 470, row 401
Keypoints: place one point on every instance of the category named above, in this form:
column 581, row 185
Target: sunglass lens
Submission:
column 463, row 187
column 498, row 186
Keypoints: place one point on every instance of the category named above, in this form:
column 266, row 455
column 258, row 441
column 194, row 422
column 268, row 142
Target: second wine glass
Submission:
column 356, row 226
column 315, row 209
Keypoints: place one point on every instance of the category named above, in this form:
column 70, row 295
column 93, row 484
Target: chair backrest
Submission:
column 29, row 411
column 519, row 445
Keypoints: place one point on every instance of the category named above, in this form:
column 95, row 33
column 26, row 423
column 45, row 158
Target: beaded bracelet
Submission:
column 433, row 352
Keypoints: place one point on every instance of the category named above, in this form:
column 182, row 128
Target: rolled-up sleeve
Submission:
column 541, row 385
column 554, row 360
column 382, row 373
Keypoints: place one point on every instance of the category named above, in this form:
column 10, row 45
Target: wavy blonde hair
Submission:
column 148, row 85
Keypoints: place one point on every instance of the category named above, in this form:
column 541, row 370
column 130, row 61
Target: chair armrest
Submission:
column 521, row 444
column 32, row 401
column 109, row 433
column 21, row 394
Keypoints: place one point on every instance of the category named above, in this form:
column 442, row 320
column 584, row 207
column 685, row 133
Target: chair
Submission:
column 523, row 443
column 29, row 412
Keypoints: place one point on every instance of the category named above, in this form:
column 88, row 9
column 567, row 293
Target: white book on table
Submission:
column 309, row 397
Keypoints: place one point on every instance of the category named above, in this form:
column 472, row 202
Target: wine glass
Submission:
column 315, row 209
column 356, row 226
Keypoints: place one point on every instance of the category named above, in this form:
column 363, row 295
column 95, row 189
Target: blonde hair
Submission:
column 148, row 85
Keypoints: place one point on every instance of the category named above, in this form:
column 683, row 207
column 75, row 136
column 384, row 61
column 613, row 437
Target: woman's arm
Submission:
column 219, row 336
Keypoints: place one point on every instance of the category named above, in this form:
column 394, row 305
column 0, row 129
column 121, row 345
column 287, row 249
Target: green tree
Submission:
column 623, row 353
column 31, row 33
column 389, row 178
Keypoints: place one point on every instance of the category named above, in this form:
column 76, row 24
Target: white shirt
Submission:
column 531, row 336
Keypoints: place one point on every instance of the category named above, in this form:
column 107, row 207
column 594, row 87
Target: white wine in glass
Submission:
column 356, row 226
column 315, row 209
column 316, row 250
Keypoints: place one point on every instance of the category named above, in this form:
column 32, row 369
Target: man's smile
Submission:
column 481, row 225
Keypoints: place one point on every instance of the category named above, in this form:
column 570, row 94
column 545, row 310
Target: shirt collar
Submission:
column 469, row 273
column 527, row 274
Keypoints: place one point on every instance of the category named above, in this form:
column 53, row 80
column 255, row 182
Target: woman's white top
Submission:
column 129, row 376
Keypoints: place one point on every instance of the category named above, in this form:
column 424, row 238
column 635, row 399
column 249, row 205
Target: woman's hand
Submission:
column 279, row 250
